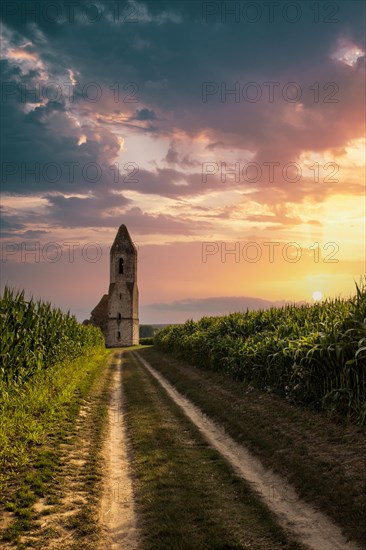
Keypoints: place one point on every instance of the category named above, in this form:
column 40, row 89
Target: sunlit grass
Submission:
column 47, row 361
column 31, row 413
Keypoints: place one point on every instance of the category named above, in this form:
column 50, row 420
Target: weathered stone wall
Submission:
column 117, row 312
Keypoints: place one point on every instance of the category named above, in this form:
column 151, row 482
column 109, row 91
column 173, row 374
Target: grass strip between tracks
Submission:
column 322, row 459
column 187, row 496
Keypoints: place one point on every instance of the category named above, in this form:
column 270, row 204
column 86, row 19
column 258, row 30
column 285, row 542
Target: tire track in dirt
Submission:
column 311, row 527
column 117, row 516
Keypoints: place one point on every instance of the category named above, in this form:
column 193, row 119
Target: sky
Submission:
column 229, row 137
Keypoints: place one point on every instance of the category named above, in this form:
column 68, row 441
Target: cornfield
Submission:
column 34, row 336
column 313, row 355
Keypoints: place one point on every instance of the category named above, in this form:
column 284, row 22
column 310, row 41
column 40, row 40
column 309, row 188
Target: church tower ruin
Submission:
column 123, row 317
column 117, row 312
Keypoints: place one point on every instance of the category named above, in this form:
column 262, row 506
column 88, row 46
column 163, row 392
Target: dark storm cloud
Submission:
column 173, row 157
column 104, row 210
column 144, row 114
column 75, row 212
column 164, row 57
column 85, row 212
column 10, row 223
column 13, row 224
column 40, row 149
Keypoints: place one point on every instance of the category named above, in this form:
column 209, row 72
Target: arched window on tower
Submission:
column 120, row 266
column 119, row 316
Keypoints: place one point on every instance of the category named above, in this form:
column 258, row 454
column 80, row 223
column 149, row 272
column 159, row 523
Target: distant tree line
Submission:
column 146, row 331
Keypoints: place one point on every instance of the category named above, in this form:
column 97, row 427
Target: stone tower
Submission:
column 123, row 318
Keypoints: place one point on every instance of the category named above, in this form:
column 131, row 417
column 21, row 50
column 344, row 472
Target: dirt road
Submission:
column 117, row 516
column 311, row 527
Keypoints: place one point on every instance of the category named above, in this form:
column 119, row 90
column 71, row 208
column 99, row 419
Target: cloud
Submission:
column 214, row 145
column 279, row 131
column 48, row 141
column 84, row 212
column 145, row 114
column 214, row 305
column 172, row 156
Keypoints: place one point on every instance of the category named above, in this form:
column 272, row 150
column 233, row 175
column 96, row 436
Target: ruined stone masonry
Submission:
column 117, row 312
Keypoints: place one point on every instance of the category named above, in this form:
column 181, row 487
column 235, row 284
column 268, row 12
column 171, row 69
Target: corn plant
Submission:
column 34, row 336
column 314, row 355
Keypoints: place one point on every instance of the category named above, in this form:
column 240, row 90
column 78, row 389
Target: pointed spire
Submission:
column 123, row 241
